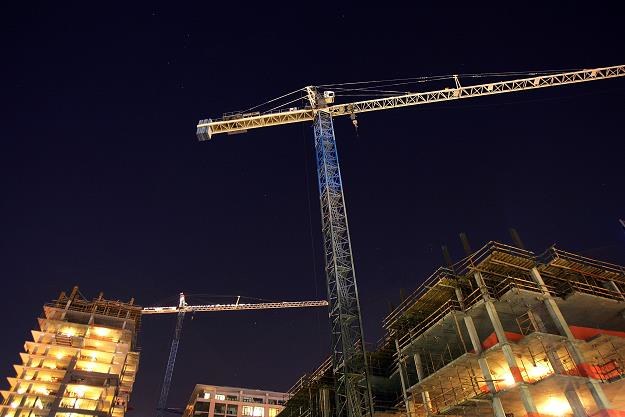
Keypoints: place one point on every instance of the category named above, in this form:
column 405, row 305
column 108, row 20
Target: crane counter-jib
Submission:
column 239, row 123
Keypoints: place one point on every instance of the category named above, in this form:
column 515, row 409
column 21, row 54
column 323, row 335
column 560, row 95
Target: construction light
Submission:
column 508, row 379
column 69, row 331
column 102, row 331
column 538, row 371
column 555, row 406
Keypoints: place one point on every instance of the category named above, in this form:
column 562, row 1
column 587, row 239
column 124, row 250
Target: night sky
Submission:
column 104, row 184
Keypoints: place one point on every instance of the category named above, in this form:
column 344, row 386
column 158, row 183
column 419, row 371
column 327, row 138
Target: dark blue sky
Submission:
column 105, row 186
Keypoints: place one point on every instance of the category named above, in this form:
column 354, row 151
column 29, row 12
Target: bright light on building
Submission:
column 59, row 355
column 538, row 371
column 68, row 331
column 79, row 390
column 555, row 406
column 15, row 403
column 102, row 331
column 508, row 379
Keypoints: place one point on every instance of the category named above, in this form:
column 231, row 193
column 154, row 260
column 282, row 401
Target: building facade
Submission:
column 81, row 361
column 218, row 401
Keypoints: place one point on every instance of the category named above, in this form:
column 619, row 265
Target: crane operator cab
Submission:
column 328, row 97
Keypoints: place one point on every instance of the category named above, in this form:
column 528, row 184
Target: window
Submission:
column 220, row 408
column 258, row 400
column 220, row 397
column 202, row 406
column 259, row 412
column 273, row 412
column 231, row 410
column 206, row 395
column 247, row 399
column 231, row 398
column 247, row 410
column 272, row 401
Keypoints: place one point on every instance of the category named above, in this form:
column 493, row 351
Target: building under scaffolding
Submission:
column 502, row 333
column 81, row 362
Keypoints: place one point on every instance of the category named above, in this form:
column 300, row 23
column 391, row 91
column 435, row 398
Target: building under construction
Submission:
column 81, row 361
column 504, row 332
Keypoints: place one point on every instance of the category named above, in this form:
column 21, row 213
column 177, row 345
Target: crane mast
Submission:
column 349, row 360
column 353, row 391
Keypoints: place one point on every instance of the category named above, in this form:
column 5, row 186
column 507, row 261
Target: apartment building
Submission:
column 81, row 361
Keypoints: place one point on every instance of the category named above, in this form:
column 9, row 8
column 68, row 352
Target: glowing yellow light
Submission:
column 79, row 390
column 39, row 404
column 93, row 357
column 538, row 371
column 59, row 355
column 555, row 406
column 508, row 380
column 42, row 390
column 69, row 331
column 15, row 403
column 21, row 390
column 102, row 331
column 88, row 368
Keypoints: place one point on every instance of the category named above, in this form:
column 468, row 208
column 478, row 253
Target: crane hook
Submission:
column 354, row 122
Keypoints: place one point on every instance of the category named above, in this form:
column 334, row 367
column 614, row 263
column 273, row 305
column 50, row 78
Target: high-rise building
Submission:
column 216, row 401
column 81, row 361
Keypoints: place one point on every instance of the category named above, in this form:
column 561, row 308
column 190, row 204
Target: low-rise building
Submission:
column 219, row 401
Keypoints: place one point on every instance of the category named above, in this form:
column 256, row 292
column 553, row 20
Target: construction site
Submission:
column 502, row 332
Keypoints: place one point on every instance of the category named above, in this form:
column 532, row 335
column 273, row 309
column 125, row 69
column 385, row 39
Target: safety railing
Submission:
column 428, row 322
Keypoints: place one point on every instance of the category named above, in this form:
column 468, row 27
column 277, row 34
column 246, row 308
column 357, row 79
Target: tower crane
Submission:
column 182, row 308
column 353, row 390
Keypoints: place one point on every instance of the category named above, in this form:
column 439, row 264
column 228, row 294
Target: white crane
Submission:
column 182, row 308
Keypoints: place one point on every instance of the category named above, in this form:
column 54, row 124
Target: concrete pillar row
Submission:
column 513, row 367
column 483, row 364
column 593, row 386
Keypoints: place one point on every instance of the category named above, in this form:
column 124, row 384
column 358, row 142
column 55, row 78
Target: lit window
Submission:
column 259, row 412
column 247, row 399
column 247, row 410
column 220, row 397
column 273, row 412
column 207, row 395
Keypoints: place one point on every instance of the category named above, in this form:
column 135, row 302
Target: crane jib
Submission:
column 242, row 122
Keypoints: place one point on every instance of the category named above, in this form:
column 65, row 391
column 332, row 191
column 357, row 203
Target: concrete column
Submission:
column 324, row 401
column 403, row 377
column 528, row 403
column 477, row 347
column 556, row 315
column 526, row 396
column 425, row 395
